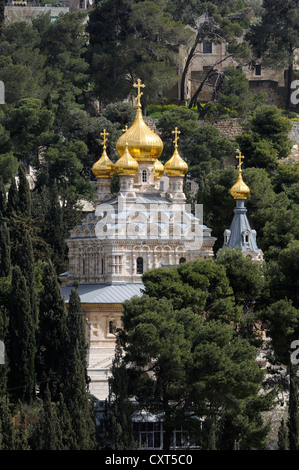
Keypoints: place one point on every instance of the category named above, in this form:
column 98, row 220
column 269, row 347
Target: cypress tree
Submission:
column 24, row 198
column 22, row 346
column 120, row 431
column 80, row 405
column 46, row 435
column 2, row 198
column 54, row 232
column 77, row 398
column 293, row 421
column 51, row 336
column 12, row 199
column 68, row 434
column 6, row 426
column 4, row 249
column 282, row 436
column 24, row 258
column 75, row 327
column 21, row 434
column 3, row 337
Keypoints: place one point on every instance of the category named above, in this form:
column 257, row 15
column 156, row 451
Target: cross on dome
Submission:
column 176, row 137
column 104, row 134
column 139, row 85
column 239, row 157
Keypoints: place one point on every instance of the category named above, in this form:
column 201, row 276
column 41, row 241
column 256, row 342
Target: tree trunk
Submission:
column 187, row 64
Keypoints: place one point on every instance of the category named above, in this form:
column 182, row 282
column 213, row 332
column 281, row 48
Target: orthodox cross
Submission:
column 138, row 85
column 176, row 137
column 104, row 134
column 125, row 129
column 239, row 157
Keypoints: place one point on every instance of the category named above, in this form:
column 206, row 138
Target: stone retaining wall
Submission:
column 229, row 127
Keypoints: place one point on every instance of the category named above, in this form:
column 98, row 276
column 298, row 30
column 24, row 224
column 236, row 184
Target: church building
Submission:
column 146, row 225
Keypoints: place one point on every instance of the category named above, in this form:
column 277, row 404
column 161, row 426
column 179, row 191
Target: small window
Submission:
column 144, row 176
column 258, row 69
column 161, row 185
column 111, row 327
column 207, row 47
column 182, row 260
column 102, row 266
column 139, row 265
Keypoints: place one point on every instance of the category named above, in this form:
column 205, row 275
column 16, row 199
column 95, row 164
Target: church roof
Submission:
column 104, row 293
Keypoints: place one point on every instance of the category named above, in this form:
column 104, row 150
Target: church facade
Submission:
column 146, row 225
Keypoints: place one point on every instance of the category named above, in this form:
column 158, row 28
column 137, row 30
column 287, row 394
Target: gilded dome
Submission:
column 143, row 143
column 159, row 169
column 176, row 166
column 126, row 165
column 240, row 190
column 104, row 168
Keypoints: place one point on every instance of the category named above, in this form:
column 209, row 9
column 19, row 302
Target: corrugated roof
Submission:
column 104, row 293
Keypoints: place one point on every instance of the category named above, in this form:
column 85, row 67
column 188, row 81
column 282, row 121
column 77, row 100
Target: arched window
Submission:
column 111, row 327
column 182, row 260
column 139, row 265
column 144, row 176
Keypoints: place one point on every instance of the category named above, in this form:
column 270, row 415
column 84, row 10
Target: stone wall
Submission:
column 227, row 127
column 294, row 134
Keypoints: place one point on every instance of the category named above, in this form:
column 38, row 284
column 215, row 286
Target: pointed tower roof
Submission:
column 240, row 233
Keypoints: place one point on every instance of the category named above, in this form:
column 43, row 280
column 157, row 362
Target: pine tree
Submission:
column 51, row 336
column 293, row 421
column 22, row 346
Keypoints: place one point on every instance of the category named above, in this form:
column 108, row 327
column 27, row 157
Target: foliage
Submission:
column 141, row 40
column 180, row 361
column 265, row 139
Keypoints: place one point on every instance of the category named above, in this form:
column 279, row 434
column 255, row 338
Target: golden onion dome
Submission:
column 126, row 165
column 143, row 143
column 176, row 166
column 104, row 168
column 158, row 169
column 240, row 190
